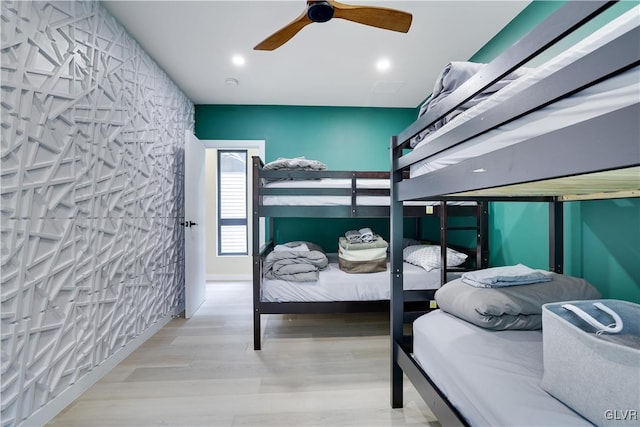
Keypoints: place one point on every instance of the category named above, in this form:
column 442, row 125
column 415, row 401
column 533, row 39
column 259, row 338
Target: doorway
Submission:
column 227, row 267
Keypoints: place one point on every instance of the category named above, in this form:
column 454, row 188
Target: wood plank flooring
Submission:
column 313, row 370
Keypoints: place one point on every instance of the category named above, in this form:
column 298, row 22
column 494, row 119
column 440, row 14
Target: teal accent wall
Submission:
column 602, row 241
column 602, row 238
column 344, row 138
column 531, row 16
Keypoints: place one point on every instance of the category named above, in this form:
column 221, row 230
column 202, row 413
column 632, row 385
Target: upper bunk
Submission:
column 563, row 130
column 291, row 192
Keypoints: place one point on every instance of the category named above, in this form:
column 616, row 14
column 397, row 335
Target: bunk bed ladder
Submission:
column 556, row 236
column 480, row 227
column 257, row 262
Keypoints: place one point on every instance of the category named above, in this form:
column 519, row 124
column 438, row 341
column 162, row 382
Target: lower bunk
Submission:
column 336, row 291
column 523, row 354
column 474, row 376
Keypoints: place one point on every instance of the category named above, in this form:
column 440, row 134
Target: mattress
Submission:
column 336, row 285
column 492, row 377
column 322, row 200
column 609, row 95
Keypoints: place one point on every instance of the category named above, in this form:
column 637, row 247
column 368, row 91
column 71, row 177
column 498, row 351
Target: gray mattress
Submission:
column 492, row 378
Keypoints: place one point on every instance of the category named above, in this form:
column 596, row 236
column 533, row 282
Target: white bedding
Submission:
column 492, row 378
column 612, row 94
column 336, row 285
column 318, row 200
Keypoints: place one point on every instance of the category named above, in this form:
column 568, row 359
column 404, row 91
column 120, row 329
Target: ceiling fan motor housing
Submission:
column 320, row 11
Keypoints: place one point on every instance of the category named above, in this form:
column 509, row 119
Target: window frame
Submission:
column 221, row 222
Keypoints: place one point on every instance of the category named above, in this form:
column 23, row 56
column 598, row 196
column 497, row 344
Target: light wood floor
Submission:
column 313, row 370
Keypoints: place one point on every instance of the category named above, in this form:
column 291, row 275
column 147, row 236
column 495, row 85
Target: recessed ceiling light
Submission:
column 238, row 60
column 480, row 170
column 383, row 64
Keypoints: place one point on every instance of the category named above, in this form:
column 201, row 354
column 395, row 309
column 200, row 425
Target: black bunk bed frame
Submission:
column 414, row 300
column 586, row 147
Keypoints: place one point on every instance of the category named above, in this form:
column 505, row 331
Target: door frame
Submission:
column 226, row 144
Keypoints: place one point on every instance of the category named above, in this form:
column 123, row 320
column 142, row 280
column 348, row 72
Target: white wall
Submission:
column 92, row 191
column 227, row 267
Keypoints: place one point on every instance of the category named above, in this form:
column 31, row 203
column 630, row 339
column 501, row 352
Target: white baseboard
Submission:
column 228, row 277
column 46, row 413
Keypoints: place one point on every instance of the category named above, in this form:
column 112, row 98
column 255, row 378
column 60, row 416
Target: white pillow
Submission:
column 428, row 256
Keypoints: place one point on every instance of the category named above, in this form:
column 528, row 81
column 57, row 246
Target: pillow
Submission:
column 428, row 256
column 514, row 307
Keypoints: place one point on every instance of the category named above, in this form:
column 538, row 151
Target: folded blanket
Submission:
column 497, row 277
column 362, row 254
column 513, row 307
column 301, row 247
column 358, row 267
column 297, row 163
column 298, row 246
column 294, row 266
column 360, row 236
column 377, row 242
column 366, row 235
column 352, row 236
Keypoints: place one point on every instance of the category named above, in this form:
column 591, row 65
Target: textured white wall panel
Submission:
column 92, row 169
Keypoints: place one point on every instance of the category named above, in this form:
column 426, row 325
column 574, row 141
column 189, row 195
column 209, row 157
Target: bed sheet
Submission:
column 492, row 378
column 617, row 92
column 318, row 200
column 336, row 285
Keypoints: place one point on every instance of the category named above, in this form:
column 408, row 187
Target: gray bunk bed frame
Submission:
column 583, row 148
column 414, row 300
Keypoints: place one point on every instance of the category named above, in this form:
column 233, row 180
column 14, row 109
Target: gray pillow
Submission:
column 515, row 307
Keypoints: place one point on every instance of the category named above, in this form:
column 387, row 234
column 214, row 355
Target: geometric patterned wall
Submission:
column 92, row 175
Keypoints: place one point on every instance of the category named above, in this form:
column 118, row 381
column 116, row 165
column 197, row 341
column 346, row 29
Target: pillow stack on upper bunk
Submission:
column 362, row 251
column 511, row 297
column 294, row 164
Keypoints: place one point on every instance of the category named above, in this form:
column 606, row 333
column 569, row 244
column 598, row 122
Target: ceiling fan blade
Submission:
column 381, row 17
column 284, row 34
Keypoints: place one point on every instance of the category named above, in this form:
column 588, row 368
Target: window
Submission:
column 232, row 203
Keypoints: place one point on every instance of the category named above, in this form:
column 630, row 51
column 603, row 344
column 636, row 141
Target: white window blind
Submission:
column 232, row 203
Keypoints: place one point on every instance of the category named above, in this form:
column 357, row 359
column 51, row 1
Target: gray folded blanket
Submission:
column 297, row 163
column 377, row 242
column 296, row 266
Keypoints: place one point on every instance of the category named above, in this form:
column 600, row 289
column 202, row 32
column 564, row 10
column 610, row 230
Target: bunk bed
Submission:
column 282, row 193
column 568, row 133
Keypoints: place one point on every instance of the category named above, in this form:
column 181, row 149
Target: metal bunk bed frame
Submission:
column 414, row 300
column 587, row 147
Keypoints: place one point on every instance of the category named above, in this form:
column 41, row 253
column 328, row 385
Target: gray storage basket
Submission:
column 598, row 376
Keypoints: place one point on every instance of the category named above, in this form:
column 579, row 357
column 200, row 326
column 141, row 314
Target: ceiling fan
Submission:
column 322, row 11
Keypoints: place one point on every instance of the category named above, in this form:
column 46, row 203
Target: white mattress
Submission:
column 609, row 95
column 318, row 200
column 492, row 378
column 336, row 285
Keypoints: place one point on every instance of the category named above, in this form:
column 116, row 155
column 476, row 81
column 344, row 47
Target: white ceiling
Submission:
column 325, row 64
